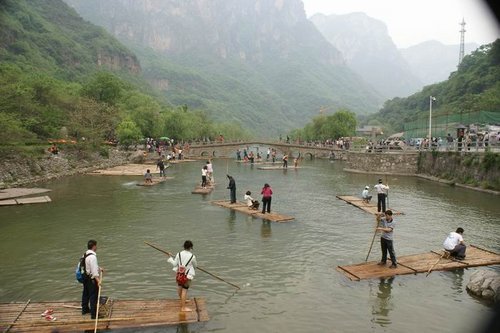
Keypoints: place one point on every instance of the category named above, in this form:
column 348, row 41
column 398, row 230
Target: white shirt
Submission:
column 249, row 200
column 185, row 255
column 381, row 188
column 364, row 194
column 210, row 168
column 452, row 240
column 91, row 267
column 204, row 172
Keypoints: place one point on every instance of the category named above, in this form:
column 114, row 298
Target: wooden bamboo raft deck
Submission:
column 278, row 167
column 243, row 208
column 25, row 201
column 420, row 263
column 26, row 317
column 127, row 170
column 200, row 190
column 155, row 181
column 367, row 207
column 9, row 193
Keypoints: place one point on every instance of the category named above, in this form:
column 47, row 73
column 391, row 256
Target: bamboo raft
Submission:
column 26, row 317
column 367, row 207
column 155, row 181
column 127, row 170
column 278, row 167
column 243, row 208
column 25, row 201
column 200, row 190
column 10, row 193
column 421, row 263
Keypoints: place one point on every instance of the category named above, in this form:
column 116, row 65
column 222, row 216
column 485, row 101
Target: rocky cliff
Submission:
column 369, row 50
column 261, row 63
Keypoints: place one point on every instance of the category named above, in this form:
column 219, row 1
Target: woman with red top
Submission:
column 267, row 193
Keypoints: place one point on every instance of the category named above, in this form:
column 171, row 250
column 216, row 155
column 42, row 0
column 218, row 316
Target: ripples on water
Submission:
column 286, row 270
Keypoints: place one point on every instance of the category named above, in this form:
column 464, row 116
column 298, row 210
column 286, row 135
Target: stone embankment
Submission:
column 485, row 284
column 19, row 171
column 478, row 171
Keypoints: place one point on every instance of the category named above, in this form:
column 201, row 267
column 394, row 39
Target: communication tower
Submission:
column 462, row 44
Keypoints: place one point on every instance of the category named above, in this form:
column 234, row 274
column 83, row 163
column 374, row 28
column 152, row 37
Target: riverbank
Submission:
column 17, row 170
column 479, row 171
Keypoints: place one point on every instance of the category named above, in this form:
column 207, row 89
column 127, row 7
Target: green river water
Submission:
column 286, row 270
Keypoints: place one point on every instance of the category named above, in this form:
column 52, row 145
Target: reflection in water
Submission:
column 383, row 304
column 457, row 278
column 231, row 219
column 265, row 229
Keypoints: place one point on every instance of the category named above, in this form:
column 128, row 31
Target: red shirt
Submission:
column 266, row 192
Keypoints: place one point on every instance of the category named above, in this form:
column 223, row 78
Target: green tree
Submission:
column 12, row 131
column 103, row 87
column 128, row 132
column 93, row 121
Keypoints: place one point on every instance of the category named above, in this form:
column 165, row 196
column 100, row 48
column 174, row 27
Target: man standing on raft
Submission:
column 381, row 195
column 386, row 240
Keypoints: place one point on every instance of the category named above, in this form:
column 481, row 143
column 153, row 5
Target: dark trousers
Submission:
column 387, row 246
column 381, row 202
column 285, row 164
column 458, row 251
column 89, row 297
column 203, row 181
column 266, row 204
column 233, row 195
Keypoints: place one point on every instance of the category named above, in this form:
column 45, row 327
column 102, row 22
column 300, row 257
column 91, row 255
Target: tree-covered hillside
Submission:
column 474, row 87
column 62, row 77
column 48, row 36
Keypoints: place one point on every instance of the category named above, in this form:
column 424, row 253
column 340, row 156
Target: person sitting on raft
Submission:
column 251, row 203
column 365, row 194
column 148, row 177
column 455, row 245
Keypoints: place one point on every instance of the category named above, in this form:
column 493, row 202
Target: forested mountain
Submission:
column 475, row 86
column 260, row 62
column 369, row 50
column 62, row 77
column 432, row 61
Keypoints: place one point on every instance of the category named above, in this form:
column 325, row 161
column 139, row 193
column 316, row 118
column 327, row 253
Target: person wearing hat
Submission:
column 381, row 195
column 365, row 194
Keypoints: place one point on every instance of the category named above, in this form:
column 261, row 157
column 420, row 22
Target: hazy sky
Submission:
column 413, row 21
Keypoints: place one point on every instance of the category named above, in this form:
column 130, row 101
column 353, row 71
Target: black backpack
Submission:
column 81, row 272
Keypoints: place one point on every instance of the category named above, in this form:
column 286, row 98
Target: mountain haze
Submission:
column 433, row 61
column 369, row 50
column 261, row 63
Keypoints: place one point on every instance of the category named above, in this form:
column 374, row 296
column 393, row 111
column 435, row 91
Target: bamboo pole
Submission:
column 18, row 315
column 98, row 301
column 377, row 219
column 437, row 261
column 198, row 267
column 387, row 182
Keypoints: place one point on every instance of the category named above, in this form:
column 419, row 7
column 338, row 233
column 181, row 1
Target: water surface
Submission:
column 286, row 270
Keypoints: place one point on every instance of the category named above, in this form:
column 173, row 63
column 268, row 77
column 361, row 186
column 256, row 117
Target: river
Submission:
column 286, row 270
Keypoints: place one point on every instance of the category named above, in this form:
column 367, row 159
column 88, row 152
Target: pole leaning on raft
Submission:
column 98, row 302
column 377, row 219
column 198, row 267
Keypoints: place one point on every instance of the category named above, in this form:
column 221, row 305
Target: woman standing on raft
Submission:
column 267, row 193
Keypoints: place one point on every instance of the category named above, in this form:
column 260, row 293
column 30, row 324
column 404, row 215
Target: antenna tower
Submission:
column 462, row 35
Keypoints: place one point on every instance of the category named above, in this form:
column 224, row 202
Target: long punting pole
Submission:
column 198, row 267
column 377, row 219
column 98, row 302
